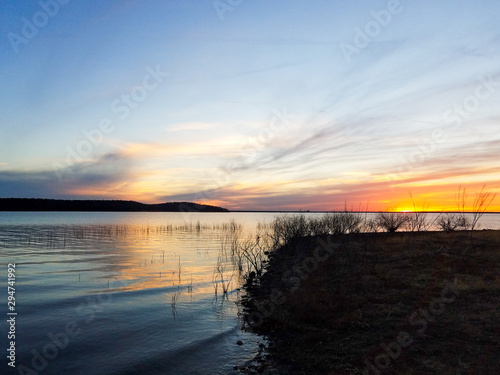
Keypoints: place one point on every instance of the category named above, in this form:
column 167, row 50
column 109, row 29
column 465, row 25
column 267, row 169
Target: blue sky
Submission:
column 255, row 105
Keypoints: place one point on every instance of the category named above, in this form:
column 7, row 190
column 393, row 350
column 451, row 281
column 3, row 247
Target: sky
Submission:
column 251, row 105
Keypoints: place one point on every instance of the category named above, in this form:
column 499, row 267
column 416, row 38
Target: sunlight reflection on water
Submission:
column 138, row 287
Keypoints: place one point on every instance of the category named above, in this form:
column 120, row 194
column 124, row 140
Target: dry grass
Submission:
column 376, row 286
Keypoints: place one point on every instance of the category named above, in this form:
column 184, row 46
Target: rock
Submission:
column 239, row 342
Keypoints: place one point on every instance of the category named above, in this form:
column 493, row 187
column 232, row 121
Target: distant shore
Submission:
column 35, row 204
column 379, row 303
column 42, row 204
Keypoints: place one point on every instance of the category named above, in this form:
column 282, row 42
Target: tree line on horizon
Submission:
column 37, row 204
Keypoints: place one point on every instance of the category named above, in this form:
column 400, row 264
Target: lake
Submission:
column 128, row 293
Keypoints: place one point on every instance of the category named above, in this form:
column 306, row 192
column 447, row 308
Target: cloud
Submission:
column 191, row 126
column 98, row 176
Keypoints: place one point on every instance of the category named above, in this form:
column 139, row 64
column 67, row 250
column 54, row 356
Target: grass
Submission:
column 175, row 297
column 65, row 236
column 336, row 315
column 220, row 277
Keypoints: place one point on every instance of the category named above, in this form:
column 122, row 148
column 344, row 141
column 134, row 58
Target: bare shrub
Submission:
column 370, row 225
column 450, row 222
column 318, row 226
column 254, row 252
column 286, row 228
column 481, row 203
column 461, row 201
column 391, row 221
column 483, row 200
column 417, row 220
column 342, row 222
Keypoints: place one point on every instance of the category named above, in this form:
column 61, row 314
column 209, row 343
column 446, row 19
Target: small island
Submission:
column 34, row 204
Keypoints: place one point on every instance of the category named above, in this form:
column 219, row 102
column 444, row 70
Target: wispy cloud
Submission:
column 189, row 127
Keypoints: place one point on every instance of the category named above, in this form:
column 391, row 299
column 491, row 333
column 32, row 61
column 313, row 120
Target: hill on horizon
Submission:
column 40, row 204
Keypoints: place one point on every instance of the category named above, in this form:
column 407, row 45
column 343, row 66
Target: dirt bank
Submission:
column 403, row 303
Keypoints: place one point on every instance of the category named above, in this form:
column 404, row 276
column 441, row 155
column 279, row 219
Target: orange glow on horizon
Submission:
column 264, row 194
column 248, row 199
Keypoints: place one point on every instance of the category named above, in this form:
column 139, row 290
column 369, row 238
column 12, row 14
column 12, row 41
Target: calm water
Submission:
column 102, row 286
column 125, row 293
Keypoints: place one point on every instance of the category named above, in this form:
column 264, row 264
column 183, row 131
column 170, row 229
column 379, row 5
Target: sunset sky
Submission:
column 251, row 104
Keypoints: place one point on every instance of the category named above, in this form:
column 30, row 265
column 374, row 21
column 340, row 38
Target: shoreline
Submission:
column 379, row 303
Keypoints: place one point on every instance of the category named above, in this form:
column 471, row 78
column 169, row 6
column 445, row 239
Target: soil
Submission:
column 379, row 303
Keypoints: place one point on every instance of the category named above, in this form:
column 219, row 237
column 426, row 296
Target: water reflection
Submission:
column 139, row 292
column 141, row 288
